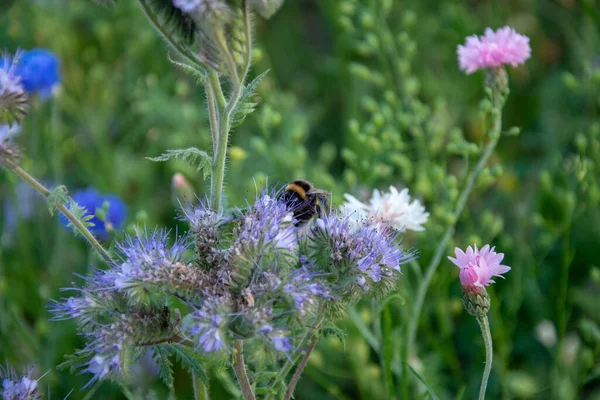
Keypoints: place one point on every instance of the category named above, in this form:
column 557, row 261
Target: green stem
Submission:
column 213, row 115
column 76, row 222
column 240, row 371
column 498, row 102
column 213, row 77
column 218, row 169
column 489, row 354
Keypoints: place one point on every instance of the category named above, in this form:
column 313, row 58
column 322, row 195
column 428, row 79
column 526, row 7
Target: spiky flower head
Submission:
column 358, row 259
column 393, row 207
column 15, row 387
column 39, row 71
column 13, row 97
column 493, row 49
column 477, row 267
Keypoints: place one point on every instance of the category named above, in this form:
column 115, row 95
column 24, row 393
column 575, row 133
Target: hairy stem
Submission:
column 240, row 371
column 66, row 212
column 218, row 169
column 213, row 115
column 494, row 134
column 298, row 373
column 489, row 354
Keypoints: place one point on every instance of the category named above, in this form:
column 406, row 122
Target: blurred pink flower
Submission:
column 505, row 46
column 477, row 267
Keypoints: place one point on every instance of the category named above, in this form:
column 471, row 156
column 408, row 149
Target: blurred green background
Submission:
column 360, row 95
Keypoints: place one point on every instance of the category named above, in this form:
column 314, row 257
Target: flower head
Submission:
column 13, row 98
column 14, row 387
column 39, row 71
column 394, row 208
column 493, row 49
column 90, row 200
column 207, row 323
column 477, row 267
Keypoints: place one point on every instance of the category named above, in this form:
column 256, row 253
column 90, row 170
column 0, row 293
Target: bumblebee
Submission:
column 304, row 200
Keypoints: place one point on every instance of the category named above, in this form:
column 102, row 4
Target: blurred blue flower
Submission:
column 39, row 71
column 91, row 200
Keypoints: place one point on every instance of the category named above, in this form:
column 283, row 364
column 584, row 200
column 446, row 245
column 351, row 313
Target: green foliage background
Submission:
column 360, row 95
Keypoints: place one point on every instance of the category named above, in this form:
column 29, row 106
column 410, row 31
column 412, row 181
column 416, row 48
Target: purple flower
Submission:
column 13, row 98
column 16, row 387
column 90, row 200
column 494, row 49
column 279, row 341
column 267, row 225
column 305, row 290
column 367, row 251
column 187, row 5
column 206, row 324
column 39, row 71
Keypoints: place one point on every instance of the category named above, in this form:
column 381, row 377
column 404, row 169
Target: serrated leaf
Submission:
column 80, row 214
column 165, row 368
column 58, row 196
column 244, row 105
column 75, row 361
column 195, row 158
column 190, row 360
column 333, row 331
column 199, row 74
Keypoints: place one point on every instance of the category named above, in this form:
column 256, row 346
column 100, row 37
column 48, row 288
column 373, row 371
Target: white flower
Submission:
column 393, row 207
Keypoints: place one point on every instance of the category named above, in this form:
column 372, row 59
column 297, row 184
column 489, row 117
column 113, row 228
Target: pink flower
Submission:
column 505, row 46
column 477, row 267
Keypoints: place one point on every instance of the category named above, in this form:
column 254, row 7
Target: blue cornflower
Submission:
column 91, row 200
column 16, row 387
column 39, row 71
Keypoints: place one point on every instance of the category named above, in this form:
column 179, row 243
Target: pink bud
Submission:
column 468, row 276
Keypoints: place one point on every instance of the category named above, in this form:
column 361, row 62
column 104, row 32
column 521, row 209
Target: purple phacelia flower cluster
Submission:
column 13, row 97
column 15, row 387
column 255, row 276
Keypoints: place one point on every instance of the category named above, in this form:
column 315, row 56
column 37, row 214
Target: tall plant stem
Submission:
column 489, row 354
column 220, row 158
column 76, row 222
column 298, row 373
column 494, row 137
column 240, row 371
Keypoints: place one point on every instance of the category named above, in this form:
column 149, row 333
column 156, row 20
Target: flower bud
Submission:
column 475, row 299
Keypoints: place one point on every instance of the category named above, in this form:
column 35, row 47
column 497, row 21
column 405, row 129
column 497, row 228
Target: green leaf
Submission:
column 80, row 214
column 75, row 361
column 195, row 158
column 334, row 331
column 197, row 73
column 429, row 389
column 165, row 368
column 189, row 359
column 244, row 105
column 58, row 196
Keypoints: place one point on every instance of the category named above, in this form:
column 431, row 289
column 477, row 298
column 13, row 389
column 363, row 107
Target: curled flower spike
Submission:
column 394, row 207
column 14, row 387
column 13, row 97
column 493, row 49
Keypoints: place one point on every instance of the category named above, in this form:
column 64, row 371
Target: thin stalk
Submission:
column 240, row 371
column 212, row 114
column 218, row 169
column 222, row 42
column 298, row 373
column 460, row 205
column 76, row 222
column 213, row 77
column 489, row 354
